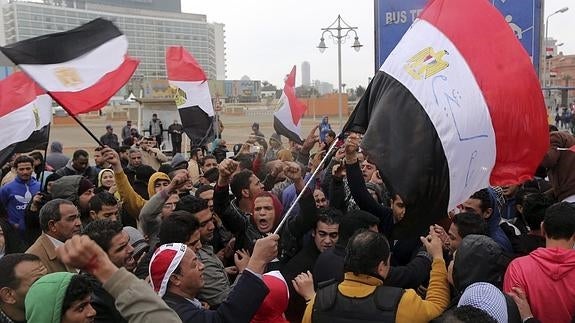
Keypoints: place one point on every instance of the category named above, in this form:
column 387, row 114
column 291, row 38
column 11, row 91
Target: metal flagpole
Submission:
column 45, row 153
column 326, row 157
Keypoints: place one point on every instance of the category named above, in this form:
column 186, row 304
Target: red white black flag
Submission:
column 25, row 114
column 81, row 68
column 455, row 107
column 192, row 95
column 287, row 120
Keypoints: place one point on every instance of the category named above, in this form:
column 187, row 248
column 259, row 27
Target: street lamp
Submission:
column 562, row 10
column 339, row 25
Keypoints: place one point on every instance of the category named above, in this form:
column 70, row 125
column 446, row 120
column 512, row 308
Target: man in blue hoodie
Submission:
column 483, row 203
column 16, row 194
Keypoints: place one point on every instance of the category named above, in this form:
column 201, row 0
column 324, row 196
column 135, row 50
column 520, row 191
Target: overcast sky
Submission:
column 264, row 39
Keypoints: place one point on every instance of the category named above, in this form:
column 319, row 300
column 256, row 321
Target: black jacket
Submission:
column 301, row 262
column 240, row 224
column 236, row 308
column 365, row 201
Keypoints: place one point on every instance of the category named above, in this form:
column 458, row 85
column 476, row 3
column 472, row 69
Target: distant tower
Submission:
column 305, row 75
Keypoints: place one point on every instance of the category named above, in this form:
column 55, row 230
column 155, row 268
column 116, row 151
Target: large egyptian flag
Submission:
column 287, row 120
column 192, row 95
column 81, row 68
column 456, row 107
column 25, row 114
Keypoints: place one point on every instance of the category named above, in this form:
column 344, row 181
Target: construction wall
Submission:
column 326, row 105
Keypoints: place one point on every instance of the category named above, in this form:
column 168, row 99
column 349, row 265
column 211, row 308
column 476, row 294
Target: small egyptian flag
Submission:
column 81, row 68
column 192, row 94
column 25, row 114
column 287, row 120
column 455, row 107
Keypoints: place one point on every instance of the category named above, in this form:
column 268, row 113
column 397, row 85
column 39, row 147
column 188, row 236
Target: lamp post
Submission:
column 338, row 26
column 562, row 10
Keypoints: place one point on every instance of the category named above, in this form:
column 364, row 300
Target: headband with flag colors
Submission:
column 192, row 95
column 287, row 120
column 164, row 262
column 441, row 119
column 25, row 114
column 81, row 68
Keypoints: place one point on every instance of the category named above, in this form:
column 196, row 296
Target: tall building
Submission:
column 305, row 74
column 148, row 29
column 220, row 48
column 160, row 5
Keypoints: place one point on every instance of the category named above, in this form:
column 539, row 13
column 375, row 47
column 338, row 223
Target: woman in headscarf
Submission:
column 107, row 182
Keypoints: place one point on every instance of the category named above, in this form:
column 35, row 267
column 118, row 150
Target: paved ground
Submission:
column 237, row 130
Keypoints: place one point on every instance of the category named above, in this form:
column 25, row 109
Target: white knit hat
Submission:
column 487, row 297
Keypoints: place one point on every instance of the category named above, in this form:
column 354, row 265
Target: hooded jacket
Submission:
column 55, row 158
column 150, row 216
column 560, row 164
column 90, row 172
column 274, row 305
column 15, row 196
column 546, row 275
column 67, row 188
column 478, row 259
column 134, row 299
column 44, row 299
column 156, row 176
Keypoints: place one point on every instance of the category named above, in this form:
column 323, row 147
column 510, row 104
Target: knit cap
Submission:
column 487, row 297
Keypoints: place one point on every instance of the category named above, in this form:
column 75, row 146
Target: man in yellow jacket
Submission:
column 362, row 297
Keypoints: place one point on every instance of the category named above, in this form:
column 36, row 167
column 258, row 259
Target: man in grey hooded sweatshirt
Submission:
column 56, row 158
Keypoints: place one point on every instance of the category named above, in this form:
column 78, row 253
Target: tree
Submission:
column 306, row 92
column 267, row 86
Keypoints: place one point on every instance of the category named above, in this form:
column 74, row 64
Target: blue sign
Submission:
column 4, row 72
column 393, row 18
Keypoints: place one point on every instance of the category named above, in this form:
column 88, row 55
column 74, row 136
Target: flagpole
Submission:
column 77, row 120
column 312, row 177
column 45, row 154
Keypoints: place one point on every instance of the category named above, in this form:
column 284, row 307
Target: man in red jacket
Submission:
column 547, row 274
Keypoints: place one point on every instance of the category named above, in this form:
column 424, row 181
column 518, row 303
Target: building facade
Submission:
column 149, row 32
column 220, row 49
column 562, row 75
column 323, row 87
column 305, row 74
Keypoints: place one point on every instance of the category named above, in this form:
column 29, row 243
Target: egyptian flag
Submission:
column 287, row 120
column 455, row 107
column 81, row 68
column 192, row 94
column 25, row 114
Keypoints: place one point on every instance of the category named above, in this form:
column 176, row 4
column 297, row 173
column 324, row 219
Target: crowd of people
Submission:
column 135, row 236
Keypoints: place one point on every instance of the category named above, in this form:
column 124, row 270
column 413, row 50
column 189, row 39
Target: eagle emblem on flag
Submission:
column 426, row 63
column 179, row 95
column 36, row 116
column 68, row 76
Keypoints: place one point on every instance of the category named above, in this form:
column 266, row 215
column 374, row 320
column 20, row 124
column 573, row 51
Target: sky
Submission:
column 264, row 39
